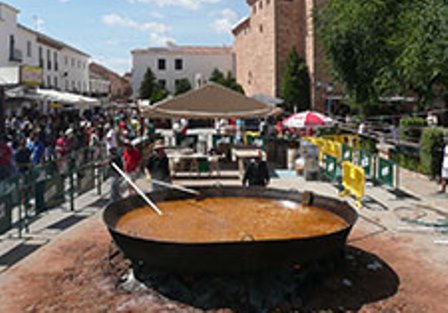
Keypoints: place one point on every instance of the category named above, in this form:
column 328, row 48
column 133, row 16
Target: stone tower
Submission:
column 263, row 40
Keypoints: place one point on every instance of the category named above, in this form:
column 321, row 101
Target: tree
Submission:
column 217, row 77
column 159, row 94
column 227, row 80
column 422, row 40
column 384, row 47
column 182, row 86
column 148, row 85
column 295, row 88
column 355, row 38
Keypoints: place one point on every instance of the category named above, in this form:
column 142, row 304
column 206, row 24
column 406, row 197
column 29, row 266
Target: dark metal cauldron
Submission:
column 229, row 257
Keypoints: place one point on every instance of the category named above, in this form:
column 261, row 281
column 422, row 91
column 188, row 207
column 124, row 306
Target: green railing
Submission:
column 51, row 185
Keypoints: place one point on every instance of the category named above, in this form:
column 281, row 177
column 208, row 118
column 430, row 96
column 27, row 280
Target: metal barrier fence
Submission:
column 51, row 185
column 360, row 165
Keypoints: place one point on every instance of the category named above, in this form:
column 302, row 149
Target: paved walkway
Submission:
column 47, row 226
column 424, row 189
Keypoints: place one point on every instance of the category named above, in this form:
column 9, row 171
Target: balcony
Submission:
column 16, row 55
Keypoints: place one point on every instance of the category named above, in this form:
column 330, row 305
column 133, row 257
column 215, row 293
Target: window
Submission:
column 161, row 64
column 48, row 81
column 162, row 83
column 56, row 82
column 261, row 28
column 260, row 6
column 179, row 64
column 48, row 59
column 66, row 60
column 11, row 47
column 73, row 62
column 41, row 58
column 55, row 60
column 28, row 49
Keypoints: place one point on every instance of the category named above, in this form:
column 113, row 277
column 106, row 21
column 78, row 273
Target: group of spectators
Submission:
column 32, row 138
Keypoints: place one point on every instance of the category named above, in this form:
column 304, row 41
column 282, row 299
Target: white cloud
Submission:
column 189, row 4
column 117, row 20
column 225, row 21
column 158, row 32
column 160, row 39
column 157, row 15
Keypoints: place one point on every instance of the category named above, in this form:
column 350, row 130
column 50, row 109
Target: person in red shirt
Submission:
column 132, row 160
column 6, row 165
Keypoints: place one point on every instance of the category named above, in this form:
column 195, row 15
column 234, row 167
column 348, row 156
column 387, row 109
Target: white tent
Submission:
column 78, row 101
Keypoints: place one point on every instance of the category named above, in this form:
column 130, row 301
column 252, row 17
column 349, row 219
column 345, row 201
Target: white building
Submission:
column 174, row 63
column 99, row 86
column 64, row 67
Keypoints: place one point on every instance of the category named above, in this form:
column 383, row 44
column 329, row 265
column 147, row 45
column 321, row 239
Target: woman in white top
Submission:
column 444, row 174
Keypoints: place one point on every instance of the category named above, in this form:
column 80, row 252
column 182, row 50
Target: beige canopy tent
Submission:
column 208, row 102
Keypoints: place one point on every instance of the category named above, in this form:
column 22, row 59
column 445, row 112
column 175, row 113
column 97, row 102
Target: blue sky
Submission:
column 109, row 29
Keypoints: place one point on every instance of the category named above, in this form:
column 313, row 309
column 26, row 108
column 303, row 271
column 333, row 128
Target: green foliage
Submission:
column 354, row 34
column 422, row 41
column 182, row 86
column 295, row 89
column 227, row 80
column 431, row 150
column 384, row 47
column 150, row 90
column 217, row 77
column 408, row 162
column 159, row 94
column 411, row 128
column 148, row 85
column 368, row 144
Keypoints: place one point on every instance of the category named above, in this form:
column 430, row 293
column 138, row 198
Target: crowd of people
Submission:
column 32, row 138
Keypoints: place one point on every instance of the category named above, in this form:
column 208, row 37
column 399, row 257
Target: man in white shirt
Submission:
column 111, row 139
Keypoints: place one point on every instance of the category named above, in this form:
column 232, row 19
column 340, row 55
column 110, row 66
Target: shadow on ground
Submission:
column 347, row 284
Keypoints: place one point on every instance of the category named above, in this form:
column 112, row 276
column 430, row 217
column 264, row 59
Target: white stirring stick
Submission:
column 171, row 186
column 151, row 204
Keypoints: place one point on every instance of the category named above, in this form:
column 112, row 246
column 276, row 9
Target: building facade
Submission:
column 99, row 86
column 174, row 63
column 119, row 87
column 263, row 41
column 64, row 67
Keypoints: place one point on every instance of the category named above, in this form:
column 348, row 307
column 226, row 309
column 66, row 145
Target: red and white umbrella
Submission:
column 306, row 120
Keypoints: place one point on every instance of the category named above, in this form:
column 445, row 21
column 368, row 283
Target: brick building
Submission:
column 263, row 41
column 120, row 87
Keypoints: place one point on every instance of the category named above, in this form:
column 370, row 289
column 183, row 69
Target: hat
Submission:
column 69, row 132
column 159, row 145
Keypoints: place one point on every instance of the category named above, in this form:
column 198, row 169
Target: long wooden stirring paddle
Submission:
column 151, row 204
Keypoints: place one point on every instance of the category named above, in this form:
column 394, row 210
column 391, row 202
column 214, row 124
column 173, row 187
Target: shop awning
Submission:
column 53, row 96
column 78, row 101
column 208, row 102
